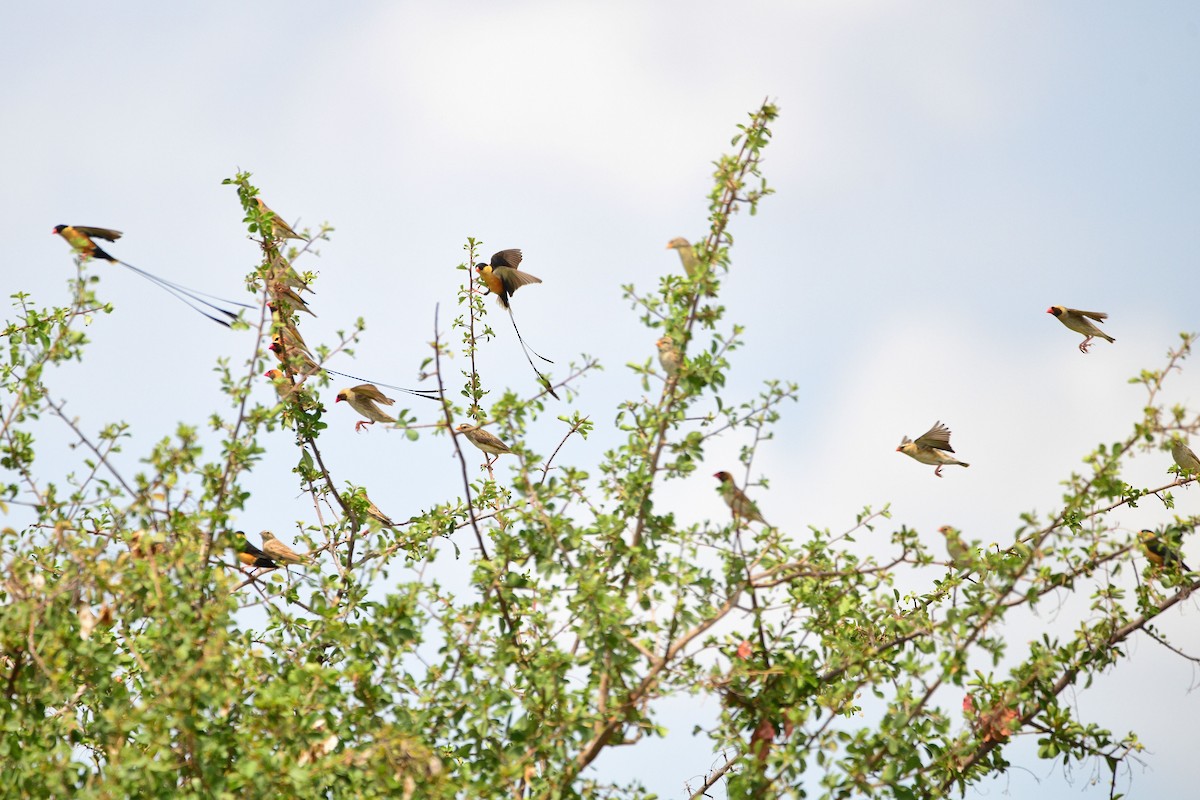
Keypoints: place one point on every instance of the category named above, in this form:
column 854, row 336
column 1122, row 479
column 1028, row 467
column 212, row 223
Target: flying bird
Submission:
column 502, row 278
column 276, row 550
column 363, row 399
column 279, row 228
column 741, row 505
column 1184, row 456
column 1160, row 553
column 669, row 356
column 931, row 448
column 960, row 554
column 82, row 239
column 489, row 443
column 1079, row 322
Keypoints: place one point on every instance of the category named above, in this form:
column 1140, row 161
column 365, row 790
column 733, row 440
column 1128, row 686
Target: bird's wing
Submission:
column 937, row 437
column 369, row 392
column 507, row 258
column 1099, row 316
column 107, row 234
column 513, row 279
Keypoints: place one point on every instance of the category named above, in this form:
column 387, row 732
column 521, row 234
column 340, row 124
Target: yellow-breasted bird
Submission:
column 489, row 443
column 279, row 228
column 502, row 278
column 960, row 554
column 1079, row 322
column 669, row 356
column 363, row 399
column 741, row 505
column 1184, row 456
column 276, row 550
column 82, row 239
column 1161, row 554
column 931, row 447
column 251, row 556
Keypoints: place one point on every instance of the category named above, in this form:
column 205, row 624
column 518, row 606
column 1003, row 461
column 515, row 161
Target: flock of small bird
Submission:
column 502, row 277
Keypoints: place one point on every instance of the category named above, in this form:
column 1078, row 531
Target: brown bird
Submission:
column 1184, row 456
column 741, row 505
column 669, row 356
column 362, row 398
column 931, row 448
column 279, row 290
column 1078, row 321
column 687, row 254
column 293, row 354
column 276, row 550
column 82, row 240
column 374, row 513
column 489, row 443
column 960, row 554
column 251, row 556
column 279, row 228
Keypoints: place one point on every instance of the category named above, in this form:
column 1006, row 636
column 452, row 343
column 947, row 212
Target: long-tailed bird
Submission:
column 502, row 278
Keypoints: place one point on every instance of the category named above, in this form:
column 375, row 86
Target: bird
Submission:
column 1078, row 321
column 931, row 448
column 280, row 290
column 687, row 254
column 292, row 353
column 502, row 278
column 283, row 384
column 279, row 228
column 362, row 398
column 960, row 554
column 741, row 505
column 489, row 443
column 374, row 513
column 1184, row 456
column 1159, row 552
column 251, row 556
column 669, row 356
column 82, row 239
column 276, row 550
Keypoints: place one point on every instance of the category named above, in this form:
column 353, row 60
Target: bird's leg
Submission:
column 938, row 470
column 1085, row 344
column 358, row 426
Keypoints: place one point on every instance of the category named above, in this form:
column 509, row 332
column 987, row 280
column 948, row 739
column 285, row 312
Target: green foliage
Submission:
column 139, row 656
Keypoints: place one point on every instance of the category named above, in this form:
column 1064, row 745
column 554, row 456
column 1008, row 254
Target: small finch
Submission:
column 669, row 356
column 1184, row 456
column 931, row 448
column 1078, row 321
column 960, row 554
column 374, row 513
column 283, row 384
column 279, row 290
column 1160, row 553
column 489, row 443
column 362, row 398
column 741, row 506
column 276, row 550
column 292, row 353
column 687, row 254
column 279, row 228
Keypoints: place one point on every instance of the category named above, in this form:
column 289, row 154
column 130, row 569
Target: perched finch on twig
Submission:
column 251, row 556
column 1078, row 321
column 278, row 551
column 489, row 443
column 931, row 448
column 960, row 554
column 279, row 228
column 669, row 356
column 741, row 506
column 362, row 398
column 1184, row 456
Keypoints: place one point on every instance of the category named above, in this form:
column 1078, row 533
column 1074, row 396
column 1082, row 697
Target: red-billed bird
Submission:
column 1079, row 322
column 931, row 447
column 502, row 278
column 82, row 240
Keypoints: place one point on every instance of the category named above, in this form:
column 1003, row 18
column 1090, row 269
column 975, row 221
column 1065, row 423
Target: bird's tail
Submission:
column 527, row 350
column 191, row 297
column 428, row 394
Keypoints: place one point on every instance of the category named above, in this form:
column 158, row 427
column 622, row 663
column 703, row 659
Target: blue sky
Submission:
column 944, row 172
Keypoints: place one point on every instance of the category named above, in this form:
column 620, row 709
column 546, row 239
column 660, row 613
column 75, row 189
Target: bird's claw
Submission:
column 358, row 426
column 1085, row 344
column 937, row 471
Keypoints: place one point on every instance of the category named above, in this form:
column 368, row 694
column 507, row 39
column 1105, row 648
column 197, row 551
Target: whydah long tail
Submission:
column 427, row 394
column 190, row 296
column 527, row 350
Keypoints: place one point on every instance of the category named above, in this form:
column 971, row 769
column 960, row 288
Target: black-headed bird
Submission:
column 502, row 278
column 1079, row 322
column 931, row 447
column 251, row 556
column 1161, row 554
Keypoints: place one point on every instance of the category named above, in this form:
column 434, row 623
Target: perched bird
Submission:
column 362, row 398
column 669, row 356
column 82, row 240
column 1160, row 553
column 1078, row 321
column 276, row 550
column 1184, row 456
column 279, row 228
column 283, row 384
column 374, row 513
column 293, row 354
column 251, row 556
column 931, row 448
column 280, row 290
column 489, row 443
column 741, row 506
column 960, row 554
column 687, row 254
column 502, row 278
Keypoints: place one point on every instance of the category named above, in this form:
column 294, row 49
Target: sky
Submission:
column 943, row 173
